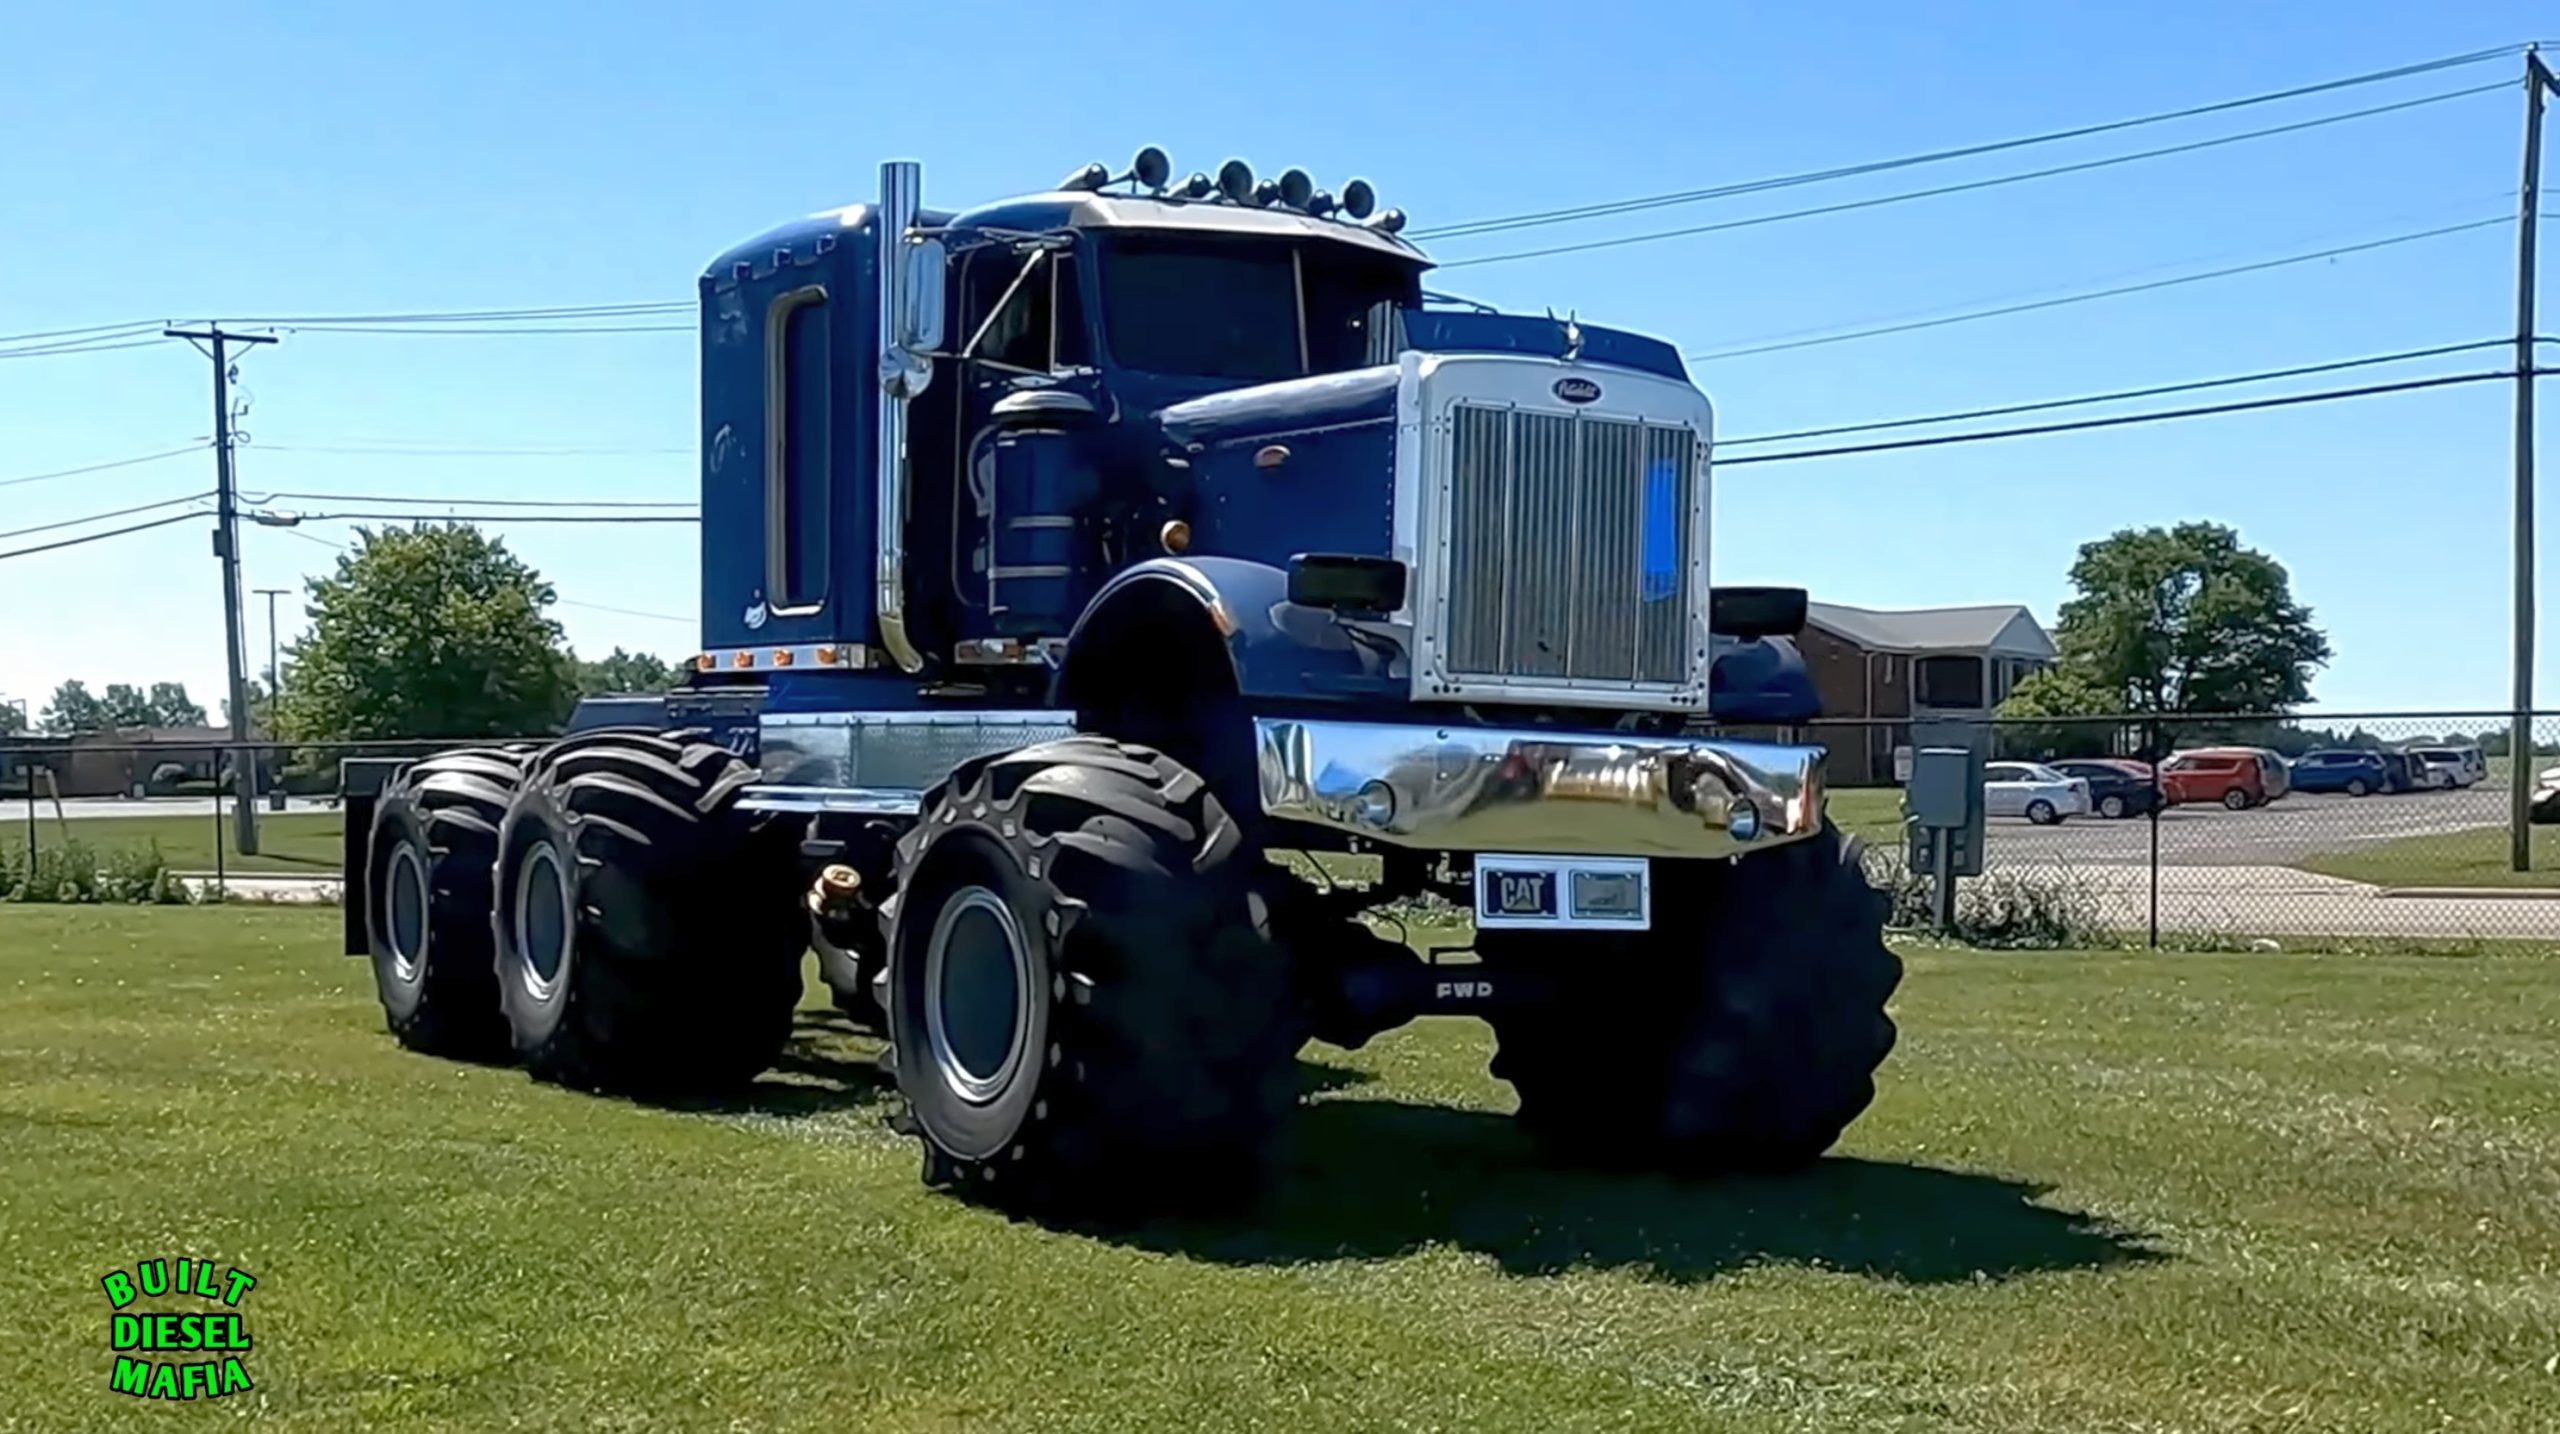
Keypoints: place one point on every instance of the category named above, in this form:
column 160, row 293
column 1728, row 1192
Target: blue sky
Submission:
column 180, row 160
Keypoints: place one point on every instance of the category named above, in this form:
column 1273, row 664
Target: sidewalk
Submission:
column 2280, row 901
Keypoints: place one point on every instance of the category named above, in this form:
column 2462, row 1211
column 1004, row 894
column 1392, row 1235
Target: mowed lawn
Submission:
column 2266, row 1192
column 289, row 843
column 2478, row 857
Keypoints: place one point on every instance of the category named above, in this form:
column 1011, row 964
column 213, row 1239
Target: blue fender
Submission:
column 1274, row 648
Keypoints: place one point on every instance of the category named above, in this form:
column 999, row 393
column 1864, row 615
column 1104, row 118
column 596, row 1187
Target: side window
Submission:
column 1019, row 337
column 1068, row 346
column 797, row 459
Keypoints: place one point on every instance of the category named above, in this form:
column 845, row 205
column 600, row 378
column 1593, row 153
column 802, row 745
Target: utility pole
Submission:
column 226, row 546
column 2537, row 82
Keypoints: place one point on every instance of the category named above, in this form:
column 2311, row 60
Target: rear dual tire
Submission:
column 428, row 873
column 648, row 934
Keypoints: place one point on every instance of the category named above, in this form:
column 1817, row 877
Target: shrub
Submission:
column 2012, row 907
column 73, row 873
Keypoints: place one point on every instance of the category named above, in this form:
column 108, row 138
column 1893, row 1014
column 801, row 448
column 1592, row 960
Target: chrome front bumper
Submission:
column 1538, row 790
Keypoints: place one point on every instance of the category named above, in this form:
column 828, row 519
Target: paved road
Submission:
column 2287, row 830
column 80, row 808
column 2279, row 902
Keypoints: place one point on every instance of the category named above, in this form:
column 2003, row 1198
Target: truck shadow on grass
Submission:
column 1375, row 1179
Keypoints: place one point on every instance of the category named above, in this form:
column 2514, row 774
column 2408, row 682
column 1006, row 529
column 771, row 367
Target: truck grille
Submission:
column 1569, row 547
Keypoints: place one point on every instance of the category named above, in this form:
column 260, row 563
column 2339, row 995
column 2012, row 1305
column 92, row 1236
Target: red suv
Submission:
column 2237, row 777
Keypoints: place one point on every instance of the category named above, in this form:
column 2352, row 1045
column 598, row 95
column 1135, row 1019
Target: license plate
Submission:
column 1561, row 893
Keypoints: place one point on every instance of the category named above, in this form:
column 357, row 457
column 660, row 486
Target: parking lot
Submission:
column 2284, row 832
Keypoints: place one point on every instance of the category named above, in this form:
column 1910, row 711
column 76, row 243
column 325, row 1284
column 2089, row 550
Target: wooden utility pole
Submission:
column 2520, row 763
column 226, row 546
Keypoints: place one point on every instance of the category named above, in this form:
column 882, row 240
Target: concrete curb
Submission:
column 2473, row 893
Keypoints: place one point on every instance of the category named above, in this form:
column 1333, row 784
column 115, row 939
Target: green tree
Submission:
column 434, row 630
column 171, row 707
column 126, row 705
column 622, row 672
column 2185, row 621
column 2056, row 692
column 74, row 708
column 13, row 719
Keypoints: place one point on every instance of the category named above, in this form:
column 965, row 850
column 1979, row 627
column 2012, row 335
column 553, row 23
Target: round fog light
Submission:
column 1375, row 806
column 1742, row 821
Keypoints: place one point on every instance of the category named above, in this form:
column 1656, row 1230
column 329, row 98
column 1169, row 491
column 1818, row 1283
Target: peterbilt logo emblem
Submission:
column 1577, row 390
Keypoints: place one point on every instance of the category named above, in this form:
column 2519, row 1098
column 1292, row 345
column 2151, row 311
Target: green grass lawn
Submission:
column 2477, row 857
column 294, row 843
column 2098, row 1193
column 1872, row 812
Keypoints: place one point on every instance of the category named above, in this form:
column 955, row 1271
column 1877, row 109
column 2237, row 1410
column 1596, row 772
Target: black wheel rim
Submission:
column 543, row 931
column 404, row 910
column 977, row 978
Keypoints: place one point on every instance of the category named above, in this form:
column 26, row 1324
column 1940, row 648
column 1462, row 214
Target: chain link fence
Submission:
column 2370, row 829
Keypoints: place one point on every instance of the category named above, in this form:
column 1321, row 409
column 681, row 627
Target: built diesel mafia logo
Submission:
column 192, row 1355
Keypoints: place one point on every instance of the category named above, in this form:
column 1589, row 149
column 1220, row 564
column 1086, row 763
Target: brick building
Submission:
column 1883, row 667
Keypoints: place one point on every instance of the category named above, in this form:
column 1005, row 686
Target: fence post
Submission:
column 221, row 871
column 2159, row 798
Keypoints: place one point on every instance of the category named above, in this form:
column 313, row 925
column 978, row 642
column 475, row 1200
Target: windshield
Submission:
column 1232, row 309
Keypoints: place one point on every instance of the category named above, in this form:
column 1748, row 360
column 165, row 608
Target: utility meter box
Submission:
column 1943, row 804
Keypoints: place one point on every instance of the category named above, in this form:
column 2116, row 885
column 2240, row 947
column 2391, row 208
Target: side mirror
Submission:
column 1755, row 612
column 919, row 327
column 1346, row 583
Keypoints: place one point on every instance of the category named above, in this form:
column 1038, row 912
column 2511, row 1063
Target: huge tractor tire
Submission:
column 428, row 866
column 1085, row 1013
column 649, row 932
column 1741, row 1033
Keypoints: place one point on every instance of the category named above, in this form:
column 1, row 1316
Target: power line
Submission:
column 82, row 346
column 397, row 450
column 2119, row 396
column 99, row 537
column 134, row 326
column 2122, row 420
column 458, row 502
column 444, row 316
column 625, row 611
column 414, row 517
column 102, row 517
column 1791, row 181
column 526, row 331
column 1969, row 186
column 2093, row 295
column 196, row 447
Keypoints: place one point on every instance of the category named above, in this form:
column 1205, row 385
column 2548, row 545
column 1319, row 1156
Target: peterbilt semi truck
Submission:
column 1109, row 595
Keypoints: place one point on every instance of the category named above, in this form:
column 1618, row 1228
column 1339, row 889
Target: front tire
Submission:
column 1084, row 1009
column 2111, row 807
column 1742, row 1032
column 648, row 932
column 2236, row 800
column 2357, row 788
column 2042, row 813
column 427, row 873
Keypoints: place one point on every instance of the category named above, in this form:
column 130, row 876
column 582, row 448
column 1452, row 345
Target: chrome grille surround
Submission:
column 1559, row 548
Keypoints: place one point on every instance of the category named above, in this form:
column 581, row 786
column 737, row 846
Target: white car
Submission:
column 2032, row 790
column 2439, row 768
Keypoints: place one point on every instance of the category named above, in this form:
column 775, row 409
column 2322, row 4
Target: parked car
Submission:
column 2237, row 777
column 2442, row 768
column 2462, row 761
column 2399, row 774
column 2032, row 790
column 2117, row 788
column 2545, row 810
column 2351, row 770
